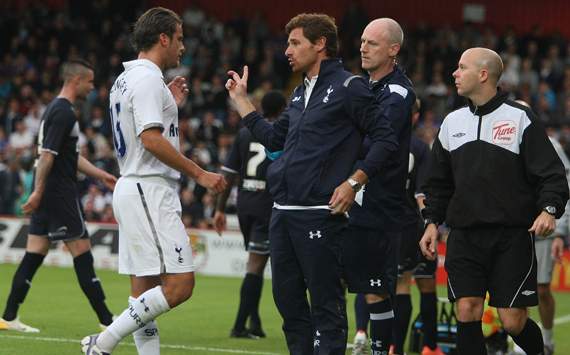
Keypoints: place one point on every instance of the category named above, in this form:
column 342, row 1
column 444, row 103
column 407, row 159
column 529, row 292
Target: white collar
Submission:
column 310, row 82
column 145, row 63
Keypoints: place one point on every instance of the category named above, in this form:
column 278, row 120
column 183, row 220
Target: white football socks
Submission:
column 142, row 310
column 146, row 338
column 547, row 336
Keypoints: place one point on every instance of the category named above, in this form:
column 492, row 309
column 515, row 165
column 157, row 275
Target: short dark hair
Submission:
column 73, row 68
column 273, row 103
column 314, row 27
column 151, row 24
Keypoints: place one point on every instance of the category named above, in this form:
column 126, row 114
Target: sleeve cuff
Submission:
column 229, row 170
column 370, row 173
column 150, row 125
column 559, row 208
column 49, row 151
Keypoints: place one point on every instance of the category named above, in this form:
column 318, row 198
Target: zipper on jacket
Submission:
column 479, row 127
column 480, row 121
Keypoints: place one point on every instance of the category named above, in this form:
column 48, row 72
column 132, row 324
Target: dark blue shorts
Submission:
column 411, row 258
column 59, row 218
column 370, row 260
column 255, row 232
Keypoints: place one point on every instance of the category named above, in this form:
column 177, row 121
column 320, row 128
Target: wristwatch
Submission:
column 551, row 210
column 355, row 185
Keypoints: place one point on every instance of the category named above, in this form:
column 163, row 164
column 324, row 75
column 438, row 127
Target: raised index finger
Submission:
column 245, row 73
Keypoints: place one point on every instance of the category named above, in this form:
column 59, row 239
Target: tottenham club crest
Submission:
column 329, row 91
column 179, row 251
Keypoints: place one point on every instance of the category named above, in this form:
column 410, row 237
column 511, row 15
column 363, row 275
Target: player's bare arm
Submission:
column 45, row 163
column 157, row 145
column 221, row 201
column 237, row 88
column 179, row 89
column 343, row 196
column 85, row 166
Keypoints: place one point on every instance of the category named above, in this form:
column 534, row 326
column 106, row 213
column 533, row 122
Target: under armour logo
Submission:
column 376, row 282
column 313, row 234
column 146, row 309
column 528, row 292
column 326, row 98
column 178, row 250
column 296, row 98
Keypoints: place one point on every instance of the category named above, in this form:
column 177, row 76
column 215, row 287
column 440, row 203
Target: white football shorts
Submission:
column 152, row 237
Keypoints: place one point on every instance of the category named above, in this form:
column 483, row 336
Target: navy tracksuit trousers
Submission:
column 305, row 255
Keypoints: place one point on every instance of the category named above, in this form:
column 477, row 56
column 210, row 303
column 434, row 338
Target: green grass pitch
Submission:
column 57, row 306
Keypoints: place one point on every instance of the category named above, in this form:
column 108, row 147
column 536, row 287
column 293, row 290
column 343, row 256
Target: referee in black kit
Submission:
column 54, row 203
column 496, row 180
column 320, row 133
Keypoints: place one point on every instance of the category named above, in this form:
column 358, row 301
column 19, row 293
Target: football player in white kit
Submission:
column 154, row 248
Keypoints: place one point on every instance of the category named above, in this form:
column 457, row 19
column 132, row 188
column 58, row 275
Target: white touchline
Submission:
column 562, row 320
column 167, row 346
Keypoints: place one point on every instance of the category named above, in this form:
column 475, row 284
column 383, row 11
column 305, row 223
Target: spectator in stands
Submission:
column 21, row 139
column 10, row 186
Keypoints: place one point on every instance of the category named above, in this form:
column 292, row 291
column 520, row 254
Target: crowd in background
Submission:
column 34, row 43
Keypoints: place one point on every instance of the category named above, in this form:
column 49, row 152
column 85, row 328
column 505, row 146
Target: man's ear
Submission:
column 164, row 40
column 483, row 75
column 75, row 79
column 321, row 44
column 393, row 50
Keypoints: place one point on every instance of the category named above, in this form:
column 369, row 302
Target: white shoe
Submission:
column 89, row 346
column 17, row 326
column 360, row 344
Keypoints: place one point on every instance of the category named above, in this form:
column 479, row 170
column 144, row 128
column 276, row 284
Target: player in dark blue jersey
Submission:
column 247, row 164
column 412, row 262
column 54, row 203
column 370, row 251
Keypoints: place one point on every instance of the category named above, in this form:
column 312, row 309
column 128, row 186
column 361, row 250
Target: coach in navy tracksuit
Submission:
column 320, row 133
column 371, row 249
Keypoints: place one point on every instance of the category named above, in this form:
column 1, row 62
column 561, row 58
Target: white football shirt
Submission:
column 139, row 100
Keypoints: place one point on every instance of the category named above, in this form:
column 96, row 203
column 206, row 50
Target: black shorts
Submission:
column 370, row 260
column 411, row 258
column 255, row 232
column 59, row 218
column 501, row 261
